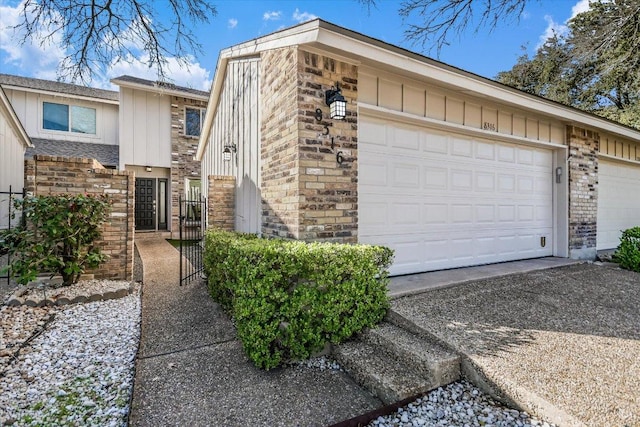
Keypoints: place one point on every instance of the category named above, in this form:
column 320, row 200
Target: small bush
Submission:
column 289, row 298
column 58, row 237
column 628, row 253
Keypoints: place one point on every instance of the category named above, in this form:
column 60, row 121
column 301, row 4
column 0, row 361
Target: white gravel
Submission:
column 79, row 371
column 458, row 404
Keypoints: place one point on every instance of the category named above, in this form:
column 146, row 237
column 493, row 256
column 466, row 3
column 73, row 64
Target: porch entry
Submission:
column 151, row 204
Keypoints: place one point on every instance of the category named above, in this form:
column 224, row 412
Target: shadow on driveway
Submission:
column 563, row 343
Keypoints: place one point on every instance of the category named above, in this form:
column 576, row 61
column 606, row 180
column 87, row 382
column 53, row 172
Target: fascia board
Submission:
column 299, row 35
column 61, row 94
column 158, row 90
column 14, row 121
column 477, row 86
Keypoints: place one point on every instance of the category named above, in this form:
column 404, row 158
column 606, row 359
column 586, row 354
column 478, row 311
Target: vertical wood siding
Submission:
column 142, row 140
column 619, row 147
column 425, row 100
column 237, row 122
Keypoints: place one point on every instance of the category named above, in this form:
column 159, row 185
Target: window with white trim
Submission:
column 194, row 117
column 68, row 118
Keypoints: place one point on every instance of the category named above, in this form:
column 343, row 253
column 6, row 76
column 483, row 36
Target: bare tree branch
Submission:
column 99, row 33
column 439, row 20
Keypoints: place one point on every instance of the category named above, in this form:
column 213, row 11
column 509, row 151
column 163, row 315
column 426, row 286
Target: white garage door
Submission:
column 444, row 200
column 618, row 201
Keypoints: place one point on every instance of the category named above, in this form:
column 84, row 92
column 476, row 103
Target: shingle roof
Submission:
column 161, row 85
column 64, row 88
column 108, row 155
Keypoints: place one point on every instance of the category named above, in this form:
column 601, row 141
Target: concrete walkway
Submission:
column 412, row 284
column 562, row 343
column 191, row 370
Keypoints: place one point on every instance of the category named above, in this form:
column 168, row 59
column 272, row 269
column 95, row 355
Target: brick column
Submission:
column 221, row 202
column 183, row 149
column 328, row 189
column 583, row 191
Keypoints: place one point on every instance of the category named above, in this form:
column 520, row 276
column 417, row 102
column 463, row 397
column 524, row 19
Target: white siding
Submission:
column 237, row 122
column 145, row 131
column 424, row 99
column 11, row 163
column 28, row 108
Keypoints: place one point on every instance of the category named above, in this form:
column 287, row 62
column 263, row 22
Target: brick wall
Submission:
column 583, row 191
column 183, row 149
column 48, row 175
column 328, row 190
column 279, row 143
column 221, row 202
column 306, row 194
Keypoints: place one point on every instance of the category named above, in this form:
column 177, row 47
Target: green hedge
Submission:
column 289, row 298
column 628, row 253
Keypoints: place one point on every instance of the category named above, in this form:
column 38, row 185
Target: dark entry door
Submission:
column 145, row 203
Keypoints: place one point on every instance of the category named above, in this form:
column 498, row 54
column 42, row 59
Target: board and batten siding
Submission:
column 145, row 137
column 11, row 161
column 393, row 92
column 236, row 121
column 28, row 108
column 619, row 148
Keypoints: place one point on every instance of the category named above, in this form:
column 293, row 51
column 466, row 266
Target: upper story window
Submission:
column 67, row 118
column 194, row 119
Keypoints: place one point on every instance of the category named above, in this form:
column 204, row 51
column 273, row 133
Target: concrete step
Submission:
column 385, row 376
column 430, row 360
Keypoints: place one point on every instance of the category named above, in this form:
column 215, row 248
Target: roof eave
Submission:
column 62, row 94
column 159, row 90
column 300, row 34
column 15, row 122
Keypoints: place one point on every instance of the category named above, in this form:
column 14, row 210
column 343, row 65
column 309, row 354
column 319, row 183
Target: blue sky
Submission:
column 484, row 53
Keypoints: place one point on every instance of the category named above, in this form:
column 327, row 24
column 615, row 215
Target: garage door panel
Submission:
column 618, row 201
column 448, row 200
column 435, row 143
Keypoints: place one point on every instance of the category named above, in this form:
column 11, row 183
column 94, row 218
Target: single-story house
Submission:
column 448, row 168
column 14, row 142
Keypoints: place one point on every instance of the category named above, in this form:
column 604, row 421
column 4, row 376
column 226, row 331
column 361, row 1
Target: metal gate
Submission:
column 9, row 219
column 193, row 221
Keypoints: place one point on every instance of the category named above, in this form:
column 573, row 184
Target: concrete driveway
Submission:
column 562, row 343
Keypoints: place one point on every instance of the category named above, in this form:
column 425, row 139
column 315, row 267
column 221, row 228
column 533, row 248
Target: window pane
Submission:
column 55, row 116
column 83, row 120
column 192, row 125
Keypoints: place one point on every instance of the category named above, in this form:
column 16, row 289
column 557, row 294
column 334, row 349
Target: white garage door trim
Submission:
column 445, row 199
column 618, row 200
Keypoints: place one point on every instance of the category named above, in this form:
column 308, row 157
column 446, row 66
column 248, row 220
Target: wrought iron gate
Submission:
column 9, row 219
column 193, row 221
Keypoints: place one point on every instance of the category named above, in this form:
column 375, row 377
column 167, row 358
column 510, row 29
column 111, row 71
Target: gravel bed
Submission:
column 78, row 371
column 458, row 404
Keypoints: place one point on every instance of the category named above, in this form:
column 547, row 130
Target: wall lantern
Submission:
column 228, row 149
column 336, row 101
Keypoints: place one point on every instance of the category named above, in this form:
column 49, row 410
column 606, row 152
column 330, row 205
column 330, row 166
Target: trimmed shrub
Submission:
column 289, row 298
column 628, row 253
column 58, row 238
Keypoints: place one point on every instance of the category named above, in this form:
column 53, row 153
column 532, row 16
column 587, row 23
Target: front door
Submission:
column 145, row 203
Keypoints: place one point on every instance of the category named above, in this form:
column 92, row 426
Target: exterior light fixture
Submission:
column 228, row 149
column 336, row 101
column 147, row 168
